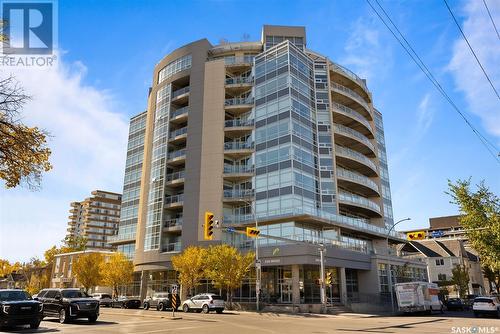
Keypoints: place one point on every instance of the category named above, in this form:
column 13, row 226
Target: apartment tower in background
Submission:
column 95, row 218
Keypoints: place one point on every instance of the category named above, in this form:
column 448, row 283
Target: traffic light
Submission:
column 252, row 232
column 419, row 235
column 328, row 278
column 208, row 227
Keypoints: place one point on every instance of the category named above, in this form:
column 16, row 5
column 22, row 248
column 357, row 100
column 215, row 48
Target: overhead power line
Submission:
column 471, row 49
column 491, row 18
column 421, row 65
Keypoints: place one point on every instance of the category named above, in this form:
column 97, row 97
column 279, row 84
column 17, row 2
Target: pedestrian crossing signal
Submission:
column 252, row 232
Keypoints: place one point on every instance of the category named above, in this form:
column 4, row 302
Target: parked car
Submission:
column 486, row 305
column 18, row 308
column 126, row 302
column 160, row 300
column 455, row 304
column 68, row 304
column 204, row 302
column 103, row 298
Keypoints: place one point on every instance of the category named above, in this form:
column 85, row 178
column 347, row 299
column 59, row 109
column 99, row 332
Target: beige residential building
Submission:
column 275, row 132
column 62, row 274
column 95, row 218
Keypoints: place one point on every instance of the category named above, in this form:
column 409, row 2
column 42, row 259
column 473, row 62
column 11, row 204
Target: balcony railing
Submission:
column 351, row 112
column 171, row 247
column 238, row 169
column 242, row 193
column 175, row 176
column 353, row 198
column 359, row 224
column 231, row 123
column 176, row 154
column 359, row 178
column 351, row 93
column 356, row 155
column 178, row 132
column 180, row 92
column 239, row 101
column 121, row 237
column 238, row 60
column 174, row 199
column 173, row 222
column 347, row 72
column 179, row 112
column 238, row 145
column 358, row 135
column 239, row 80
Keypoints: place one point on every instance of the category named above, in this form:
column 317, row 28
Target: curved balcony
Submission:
column 178, row 136
column 346, row 115
column 238, row 196
column 175, row 179
column 179, row 116
column 238, row 127
column 346, row 96
column 174, row 201
column 180, row 95
column 238, row 106
column 352, row 138
column 240, row 63
column 357, row 182
column 359, row 203
column 174, row 224
column 238, row 173
column 177, row 157
column 353, row 77
column 355, row 160
column 238, row 149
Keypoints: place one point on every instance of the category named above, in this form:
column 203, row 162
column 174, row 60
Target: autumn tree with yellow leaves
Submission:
column 24, row 154
column 88, row 270
column 190, row 265
column 117, row 270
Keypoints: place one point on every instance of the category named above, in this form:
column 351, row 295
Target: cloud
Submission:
column 425, row 115
column 364, row 52
column 88, row 142
column 467, row 75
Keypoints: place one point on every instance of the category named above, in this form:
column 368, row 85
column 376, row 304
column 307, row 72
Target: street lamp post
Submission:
column 389, row 274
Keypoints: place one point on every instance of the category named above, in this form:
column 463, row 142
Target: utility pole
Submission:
column 322, row 250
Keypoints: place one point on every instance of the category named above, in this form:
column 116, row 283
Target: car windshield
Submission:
column 216, row 297
column 14, row 295
column 74, row 294
column 106, row 296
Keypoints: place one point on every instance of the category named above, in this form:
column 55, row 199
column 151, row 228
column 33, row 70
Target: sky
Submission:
column 107, row 51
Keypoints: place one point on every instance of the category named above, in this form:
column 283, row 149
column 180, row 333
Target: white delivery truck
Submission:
column 418, row 297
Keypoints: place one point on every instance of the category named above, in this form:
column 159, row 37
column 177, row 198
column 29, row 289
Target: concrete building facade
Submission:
column 95, row 218
column 275, row 132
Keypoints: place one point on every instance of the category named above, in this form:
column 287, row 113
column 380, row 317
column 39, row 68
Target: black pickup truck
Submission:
column 17, row 308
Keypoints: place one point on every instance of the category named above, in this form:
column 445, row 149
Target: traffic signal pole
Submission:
column 322, row 250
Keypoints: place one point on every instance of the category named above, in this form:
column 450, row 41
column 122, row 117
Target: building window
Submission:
column 439, row 262
column 441, row 277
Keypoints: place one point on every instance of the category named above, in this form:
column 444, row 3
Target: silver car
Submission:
column 204, row 302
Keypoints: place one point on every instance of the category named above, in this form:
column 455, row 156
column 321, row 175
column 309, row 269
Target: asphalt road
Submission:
column 142, row 322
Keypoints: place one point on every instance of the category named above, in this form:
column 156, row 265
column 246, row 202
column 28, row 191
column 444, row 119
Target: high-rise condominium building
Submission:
column 269, row 131
column 125, row 239
column 95, row 218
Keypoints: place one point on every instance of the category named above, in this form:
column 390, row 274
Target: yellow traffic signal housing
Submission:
column 418, row 235
column 252, row 232
column 208, row 227
column 328, row 279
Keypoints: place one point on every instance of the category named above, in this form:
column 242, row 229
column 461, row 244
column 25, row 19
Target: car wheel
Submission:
column 35, row 324
column 441, row 310
column 146, row 306
column 185, row 308
column 161, row 307
column 205, row 309
column 62, row 316
column 123, row 305
column 219, row 311
column 93, row 319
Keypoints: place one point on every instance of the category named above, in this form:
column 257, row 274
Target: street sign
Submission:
column 230, row 229
column 437, row 234
column 174, row 288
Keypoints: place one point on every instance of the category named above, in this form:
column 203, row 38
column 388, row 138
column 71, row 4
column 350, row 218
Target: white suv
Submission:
column 486, row 305
column 204, row 302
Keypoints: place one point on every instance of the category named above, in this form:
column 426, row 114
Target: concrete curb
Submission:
column 138, row 313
